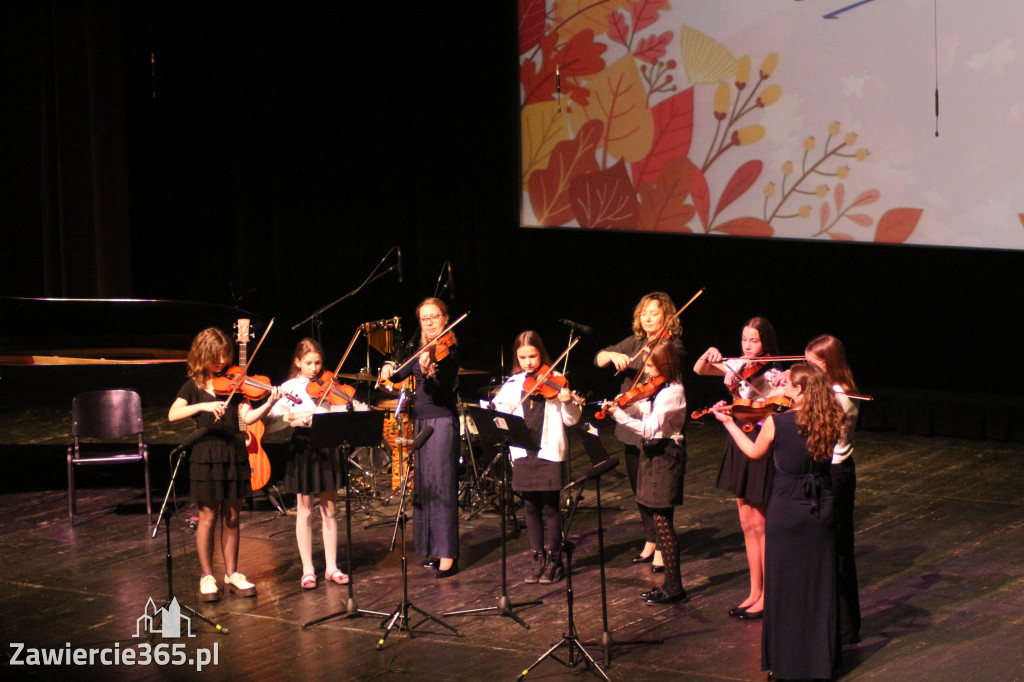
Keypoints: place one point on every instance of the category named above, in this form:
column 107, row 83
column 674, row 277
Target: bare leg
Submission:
column 752, row 522
column 205, row 534
column 230, row 515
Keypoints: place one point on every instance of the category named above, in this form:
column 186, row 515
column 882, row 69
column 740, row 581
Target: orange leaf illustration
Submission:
column 825, row 213
column 652, row 49
column 745, row 176
column 867, row 197
column 861, row 219
column 840, row 236
column 645, row 12
column 618, row 31
column 673, row 131
column 897, row 225
column 701, row 194
column 620, row 101
column 746, row 227
column 604, row 199
column 839, row 193
column 549, row 188
column 661, row 204
column 574, row 16
column 531, row 24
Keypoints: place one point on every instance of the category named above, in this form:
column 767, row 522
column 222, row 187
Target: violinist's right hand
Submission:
column 386, row 371
column 712, row 355
column 619, row 360
column 217, row 407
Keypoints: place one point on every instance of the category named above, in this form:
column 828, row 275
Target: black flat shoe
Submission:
column 751, row 615
column 737, row 611
column 431, row 562
column 448, row 572
column 662, row 598
column 657, row 569
column 641, row 559
column 647, row 594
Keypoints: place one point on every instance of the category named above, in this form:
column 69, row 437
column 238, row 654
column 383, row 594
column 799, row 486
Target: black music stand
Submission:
column 346, row 430
column 399, row 618
column 503, row 431
column 166, row 512
column 570, row 638
column 597, row 453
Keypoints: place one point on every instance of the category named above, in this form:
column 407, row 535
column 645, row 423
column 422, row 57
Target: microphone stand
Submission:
column 165, row 513
column 316, row 317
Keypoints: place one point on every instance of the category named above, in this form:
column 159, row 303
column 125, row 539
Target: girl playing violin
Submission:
column 800, row 638
column 537, row 475
column 658, row 422
column 648, row 319
column 750, row 481
column 435, row 498
column 828, row 354
column 313, row 472
column 219, row 471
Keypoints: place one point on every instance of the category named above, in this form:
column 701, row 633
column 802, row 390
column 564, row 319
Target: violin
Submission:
column 337, row 392
column 750, row 410
column 255, row 387
column 633, row 395
column 546, row 383
column 439, row 346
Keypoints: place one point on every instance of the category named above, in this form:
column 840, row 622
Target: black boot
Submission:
column 536, row 572
column 555, row 570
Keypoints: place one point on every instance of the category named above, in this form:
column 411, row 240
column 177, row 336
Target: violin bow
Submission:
column 427, row 344
column 664, row 326
column 344, row 357
column 245, row 369
column 545, row 375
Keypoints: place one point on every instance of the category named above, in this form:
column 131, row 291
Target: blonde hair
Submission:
column 668, row 309
column 304, row 346
column 434, row 302
column 209, row 346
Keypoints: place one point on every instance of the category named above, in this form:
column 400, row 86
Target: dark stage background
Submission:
column 286, row 150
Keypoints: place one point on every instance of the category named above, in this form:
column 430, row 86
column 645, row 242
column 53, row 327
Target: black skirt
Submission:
column 219, row 469
column 662, row 470
column 534, row 473
column 311, row 472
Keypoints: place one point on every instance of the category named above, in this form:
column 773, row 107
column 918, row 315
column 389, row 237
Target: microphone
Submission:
column 420, row 439
column 400, row 280
column 581, row 328
column 451, row 282
column 190, row 440
column 594, row 471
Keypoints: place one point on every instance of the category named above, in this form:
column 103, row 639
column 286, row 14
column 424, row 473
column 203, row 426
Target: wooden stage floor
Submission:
column 940, row 544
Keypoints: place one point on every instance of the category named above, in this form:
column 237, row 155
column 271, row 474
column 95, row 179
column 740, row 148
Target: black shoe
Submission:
column 737, row 611
column 448, row 572
column 657, row 569
column 431, row 562
column 641, row 559
column 662, row 598
column 555, row 570
column 647, row 594
column 751, row 615
column 540, row 563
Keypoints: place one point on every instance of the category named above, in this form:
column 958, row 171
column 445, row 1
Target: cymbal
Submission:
column 359, row 376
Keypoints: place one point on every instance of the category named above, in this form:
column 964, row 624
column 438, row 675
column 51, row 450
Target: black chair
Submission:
column 104, row 416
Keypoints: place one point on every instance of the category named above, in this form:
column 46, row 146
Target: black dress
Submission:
column 800, row 636
column 219, row 462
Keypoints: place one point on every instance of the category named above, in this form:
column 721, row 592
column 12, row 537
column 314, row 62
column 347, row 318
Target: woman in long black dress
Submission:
column 800, row 638
column 436, row 490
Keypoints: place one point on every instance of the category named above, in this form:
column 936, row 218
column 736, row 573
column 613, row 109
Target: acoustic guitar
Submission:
column 259, row 463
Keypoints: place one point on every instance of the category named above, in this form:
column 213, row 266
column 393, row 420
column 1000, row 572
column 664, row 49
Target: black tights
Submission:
column 665, row 531
column 541, row 506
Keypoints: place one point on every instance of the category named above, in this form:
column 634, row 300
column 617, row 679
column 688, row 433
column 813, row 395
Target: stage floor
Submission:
column 940, row 543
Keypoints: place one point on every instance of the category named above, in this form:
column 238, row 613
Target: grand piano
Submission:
column 53, row 348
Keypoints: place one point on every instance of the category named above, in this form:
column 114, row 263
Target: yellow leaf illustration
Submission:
column 705, row 59
column 542, row 128
column 617, row 99
column 575, row 15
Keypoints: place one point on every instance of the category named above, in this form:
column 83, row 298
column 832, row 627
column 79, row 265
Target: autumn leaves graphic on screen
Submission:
column 611, row 122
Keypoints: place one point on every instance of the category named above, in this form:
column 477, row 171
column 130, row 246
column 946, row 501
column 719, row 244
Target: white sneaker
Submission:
column 238, row 585
column 208, row 590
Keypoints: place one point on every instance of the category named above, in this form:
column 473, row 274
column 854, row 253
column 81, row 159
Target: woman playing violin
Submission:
column 537, row 475
column 750, row 481
column 649, row 318
column 658, row 422
column 435, row 500
column 314, row 472
column 219, row 470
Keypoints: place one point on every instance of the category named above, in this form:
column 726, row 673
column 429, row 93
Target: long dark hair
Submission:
column 831, row 351
column 304, row 346
column 769, row 342
column 528, row 338
column 665, row 358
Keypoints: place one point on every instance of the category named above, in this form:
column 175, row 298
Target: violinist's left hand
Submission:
column 777, row 378
column 428, row 366
column 565, row 395
column 722, row 412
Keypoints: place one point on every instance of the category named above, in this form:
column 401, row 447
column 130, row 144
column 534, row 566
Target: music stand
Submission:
column 346, row 430
column 597, row 453
column 166, row 511
column 503, row 431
